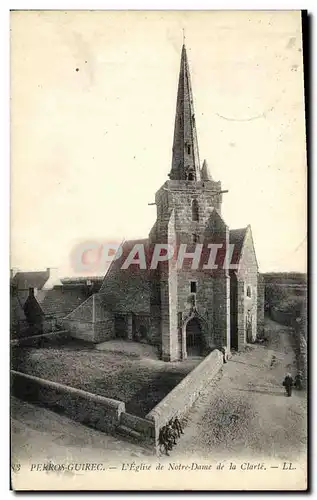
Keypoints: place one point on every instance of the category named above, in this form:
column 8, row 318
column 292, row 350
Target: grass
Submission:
column 140, row 382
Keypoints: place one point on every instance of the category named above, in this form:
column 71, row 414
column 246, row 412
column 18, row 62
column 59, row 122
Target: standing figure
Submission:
column 298, row 382
column 163, row 441
column 177, row 426
column 170, row 433
column 288, row 384
column 224, row 353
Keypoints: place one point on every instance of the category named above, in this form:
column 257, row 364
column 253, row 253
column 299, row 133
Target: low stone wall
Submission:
column 79, row 329
column 298, row 332
column 181, row 398
column 99, row 412
column 104, row 330
column 38, row 340
column 300, row 349
column 145, row 427
column 281, row 317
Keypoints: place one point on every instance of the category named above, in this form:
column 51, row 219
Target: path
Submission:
column 40, row 435
column 245, row 412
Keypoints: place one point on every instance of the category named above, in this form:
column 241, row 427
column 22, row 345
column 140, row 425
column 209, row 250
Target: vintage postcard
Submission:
column 158, row 250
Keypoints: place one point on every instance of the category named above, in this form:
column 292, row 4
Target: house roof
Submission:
column 33, row 279
column 81, row 280
column 17, row 301
column 236, row 238
column 60, row 301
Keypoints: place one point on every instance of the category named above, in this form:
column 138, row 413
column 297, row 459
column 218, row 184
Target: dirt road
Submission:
column 246, row 413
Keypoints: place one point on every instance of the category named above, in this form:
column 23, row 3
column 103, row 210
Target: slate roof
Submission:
column 236, row 238
column 81, row 280
column 59, row 301
column 116, row 264
column 127, row 289
column 33, row 279
column 17, row 302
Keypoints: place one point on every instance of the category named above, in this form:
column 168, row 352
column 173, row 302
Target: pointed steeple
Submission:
column 185, row 161
column 204, row 173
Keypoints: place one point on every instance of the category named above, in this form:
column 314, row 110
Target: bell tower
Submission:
column 186, row 204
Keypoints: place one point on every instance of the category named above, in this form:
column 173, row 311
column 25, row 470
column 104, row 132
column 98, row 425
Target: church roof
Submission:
column 127, row 289
column 236, row 238
column 116, row 264
column 205, row 174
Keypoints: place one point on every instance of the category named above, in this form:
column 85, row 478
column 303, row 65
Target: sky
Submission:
column 93, row 98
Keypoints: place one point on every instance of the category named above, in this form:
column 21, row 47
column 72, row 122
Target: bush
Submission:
column 293, row 305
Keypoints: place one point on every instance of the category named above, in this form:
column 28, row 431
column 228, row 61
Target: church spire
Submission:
column 204, row 173
column 185, row 161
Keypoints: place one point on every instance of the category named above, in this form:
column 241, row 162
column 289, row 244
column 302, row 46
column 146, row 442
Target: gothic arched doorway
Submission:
column 193, row 337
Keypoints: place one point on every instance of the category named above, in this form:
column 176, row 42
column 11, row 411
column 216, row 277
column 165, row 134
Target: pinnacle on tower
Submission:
column 185, row 160
column 204, row 173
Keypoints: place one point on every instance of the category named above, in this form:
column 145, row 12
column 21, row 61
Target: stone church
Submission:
column 182, row 310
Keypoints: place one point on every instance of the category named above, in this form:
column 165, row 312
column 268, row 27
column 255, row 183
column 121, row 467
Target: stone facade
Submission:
column 261, row 301
column 185, row 310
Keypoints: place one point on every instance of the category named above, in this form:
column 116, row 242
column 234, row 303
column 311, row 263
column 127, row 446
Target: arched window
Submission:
column 190, row 176
column 188, row 149
column 248, row 291
column 195, row 210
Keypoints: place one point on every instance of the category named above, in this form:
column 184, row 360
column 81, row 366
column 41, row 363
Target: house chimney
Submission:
column 13, row 272
column 31, row 291
column 53, row 278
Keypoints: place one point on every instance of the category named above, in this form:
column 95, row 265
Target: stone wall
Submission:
column 38, row 340
column 298, row 331
column 90, row 321
column 300, row 348
column 181, row 398
column 260, row 305
column 241, row 312
column 169, row 296
column 104, row 330
column 221, row 311
column 144, row 427
column 285, row 318
column 79, row 329
column 176, row 225
column 247, row 275
column 99, row 412
column 104, row 327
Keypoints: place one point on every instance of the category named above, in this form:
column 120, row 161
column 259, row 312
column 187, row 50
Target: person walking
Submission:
column 288, row 384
